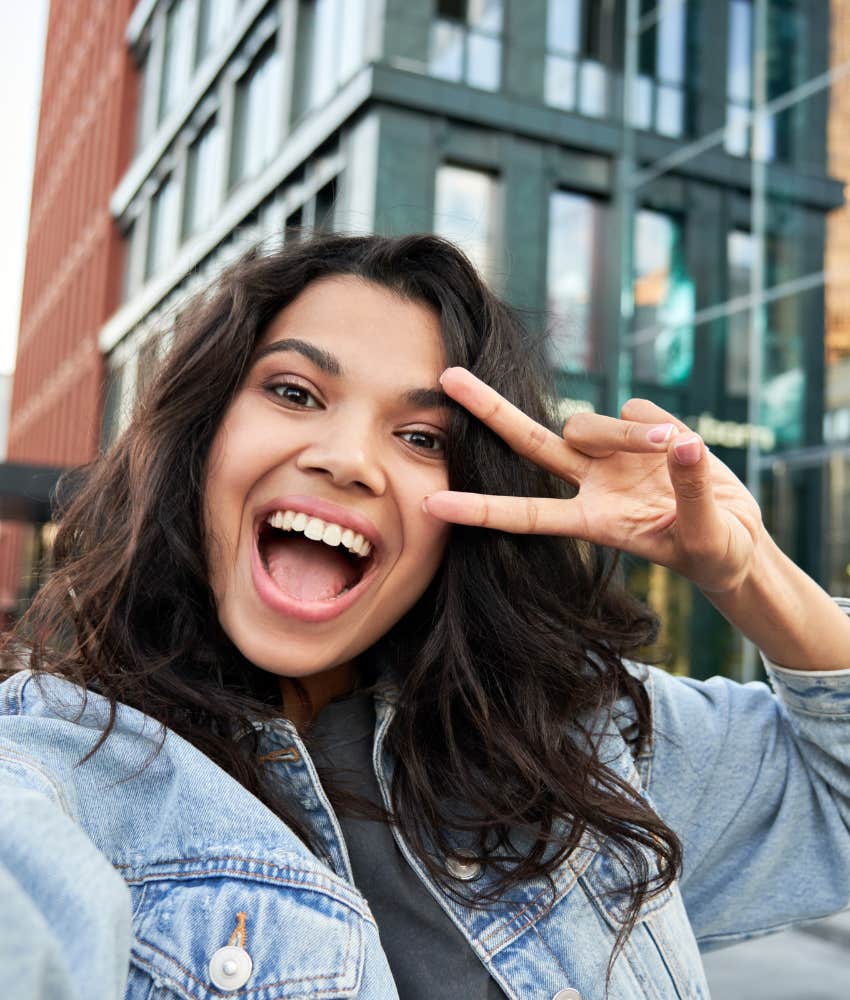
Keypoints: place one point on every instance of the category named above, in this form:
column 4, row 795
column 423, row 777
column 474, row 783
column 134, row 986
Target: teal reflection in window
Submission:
column 664, row 300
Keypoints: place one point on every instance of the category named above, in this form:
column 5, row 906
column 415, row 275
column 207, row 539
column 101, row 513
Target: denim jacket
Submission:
column 148, row 873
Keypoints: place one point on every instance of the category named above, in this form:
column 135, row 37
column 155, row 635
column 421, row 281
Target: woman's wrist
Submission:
column 785, row 613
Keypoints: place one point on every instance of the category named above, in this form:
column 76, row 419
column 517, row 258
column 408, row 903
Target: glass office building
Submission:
column 660, row 185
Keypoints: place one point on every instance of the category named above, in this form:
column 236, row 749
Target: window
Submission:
column 203, row 178
column 215, row 17
column 579, row 55
column 574, row 268
column 739, row 256
column 465, row 212
column 163, row 231
column 333, row 33
column 783, row 376
column 466, row 44
column 177, row 57
column 786, row 33
column 658, row 97
column 664, row 300
column 255, row 139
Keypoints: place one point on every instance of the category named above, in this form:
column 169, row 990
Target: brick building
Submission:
column 74, row 251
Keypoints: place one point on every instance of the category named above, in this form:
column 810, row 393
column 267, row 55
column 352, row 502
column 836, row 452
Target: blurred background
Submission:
column 660, row 184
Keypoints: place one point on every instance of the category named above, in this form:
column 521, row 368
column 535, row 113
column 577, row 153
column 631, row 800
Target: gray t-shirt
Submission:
column 429, row 957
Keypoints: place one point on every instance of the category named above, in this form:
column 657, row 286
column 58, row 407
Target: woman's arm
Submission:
column 65, row 912
column 647, row 485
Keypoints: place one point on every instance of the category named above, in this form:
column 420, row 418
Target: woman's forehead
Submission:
column 350, row 318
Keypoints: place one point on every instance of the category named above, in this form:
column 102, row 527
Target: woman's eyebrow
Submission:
column 321, row 358
column 427, row 399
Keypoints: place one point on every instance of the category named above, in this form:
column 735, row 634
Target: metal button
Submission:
column 463, row 866
column 568, row 994
column 230, row 968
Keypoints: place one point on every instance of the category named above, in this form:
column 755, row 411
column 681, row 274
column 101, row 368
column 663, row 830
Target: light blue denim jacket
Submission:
column 126, row 876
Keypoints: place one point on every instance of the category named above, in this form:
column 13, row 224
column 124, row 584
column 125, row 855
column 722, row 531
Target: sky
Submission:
column 22, row 29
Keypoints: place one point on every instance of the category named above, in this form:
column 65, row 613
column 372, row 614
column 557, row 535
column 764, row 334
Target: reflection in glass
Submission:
column 203, row 178
column 255, row 136
column 164, row 228
column 484, row 54
column 446, row 59
column 573, row 272
column 465, row 212
column 664, row 299
column 658, row 93
column 578, row 51
column 739, row 255
column 465, row 43
column 215, row 17
column 335, row 33
column 177, row 58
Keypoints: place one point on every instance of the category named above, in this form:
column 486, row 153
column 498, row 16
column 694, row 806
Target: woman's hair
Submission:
column 507, row 668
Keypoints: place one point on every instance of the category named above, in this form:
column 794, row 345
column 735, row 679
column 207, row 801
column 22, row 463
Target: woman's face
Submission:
column 337, row 432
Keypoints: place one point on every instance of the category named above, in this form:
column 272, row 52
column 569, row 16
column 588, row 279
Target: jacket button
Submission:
column 230, row 968
column 463, row 866
column 569, row 994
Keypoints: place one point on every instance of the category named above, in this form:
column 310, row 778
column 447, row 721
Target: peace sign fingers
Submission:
column 586, row 435
column 524, row 435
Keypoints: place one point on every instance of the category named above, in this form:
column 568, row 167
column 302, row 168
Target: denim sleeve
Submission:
column 757, row 785
column 64, row 910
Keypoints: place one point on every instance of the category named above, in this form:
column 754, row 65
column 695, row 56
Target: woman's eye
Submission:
column 425, row 441
column 296, row 395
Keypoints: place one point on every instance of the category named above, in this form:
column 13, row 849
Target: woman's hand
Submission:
column 646, row 485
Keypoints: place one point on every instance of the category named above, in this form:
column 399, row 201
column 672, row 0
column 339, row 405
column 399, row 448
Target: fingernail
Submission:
column 425, row 503
column 688, row 450
column 659, row 434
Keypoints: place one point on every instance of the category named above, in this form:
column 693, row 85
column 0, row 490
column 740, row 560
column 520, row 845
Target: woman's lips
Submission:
column 309, row 611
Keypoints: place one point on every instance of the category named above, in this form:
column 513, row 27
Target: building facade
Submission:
column 88, row 103
column 652, row 184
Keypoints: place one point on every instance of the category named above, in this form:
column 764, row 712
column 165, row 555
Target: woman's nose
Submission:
column 347, row 451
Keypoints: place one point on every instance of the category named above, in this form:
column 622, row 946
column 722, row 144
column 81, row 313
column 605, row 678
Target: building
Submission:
column 88, row 102
column 621, row 165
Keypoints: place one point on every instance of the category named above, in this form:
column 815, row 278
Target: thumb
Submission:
column 698, row 521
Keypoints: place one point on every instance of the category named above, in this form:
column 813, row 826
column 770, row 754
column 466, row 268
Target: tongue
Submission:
column 310, row 571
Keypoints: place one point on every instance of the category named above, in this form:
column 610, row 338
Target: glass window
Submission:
column 664, row 300
column 787, row 25
column 465, row 212
column 658, row 94
column 177, row 58
column 333, row 33
column 579, row 52
column 573, row 274
column 466, row 43
column 215, row 17
column 164, row 229
column 739, row 251
column 255, row 136
column 203, row 178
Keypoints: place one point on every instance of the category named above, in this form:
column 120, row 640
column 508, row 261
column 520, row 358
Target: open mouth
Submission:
column 309, row 569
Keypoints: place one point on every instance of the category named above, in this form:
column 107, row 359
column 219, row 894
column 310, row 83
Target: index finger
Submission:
column 515, row 428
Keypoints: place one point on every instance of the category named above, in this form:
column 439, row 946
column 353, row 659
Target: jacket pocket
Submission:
column 300, row 934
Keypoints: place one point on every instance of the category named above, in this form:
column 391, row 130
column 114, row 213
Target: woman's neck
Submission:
column 304, row 697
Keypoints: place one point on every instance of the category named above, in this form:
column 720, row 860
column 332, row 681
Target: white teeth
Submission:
column 318, row 530
column 332, row 534
column 314, row 529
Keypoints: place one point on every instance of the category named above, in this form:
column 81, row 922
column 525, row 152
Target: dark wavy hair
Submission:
column 516, row 644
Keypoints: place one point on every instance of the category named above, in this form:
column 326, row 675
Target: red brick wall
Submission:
column 74, row 252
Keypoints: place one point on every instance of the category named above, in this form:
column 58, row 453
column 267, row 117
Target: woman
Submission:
column 343, row 639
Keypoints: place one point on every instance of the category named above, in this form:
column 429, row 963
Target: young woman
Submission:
column 329, row 696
